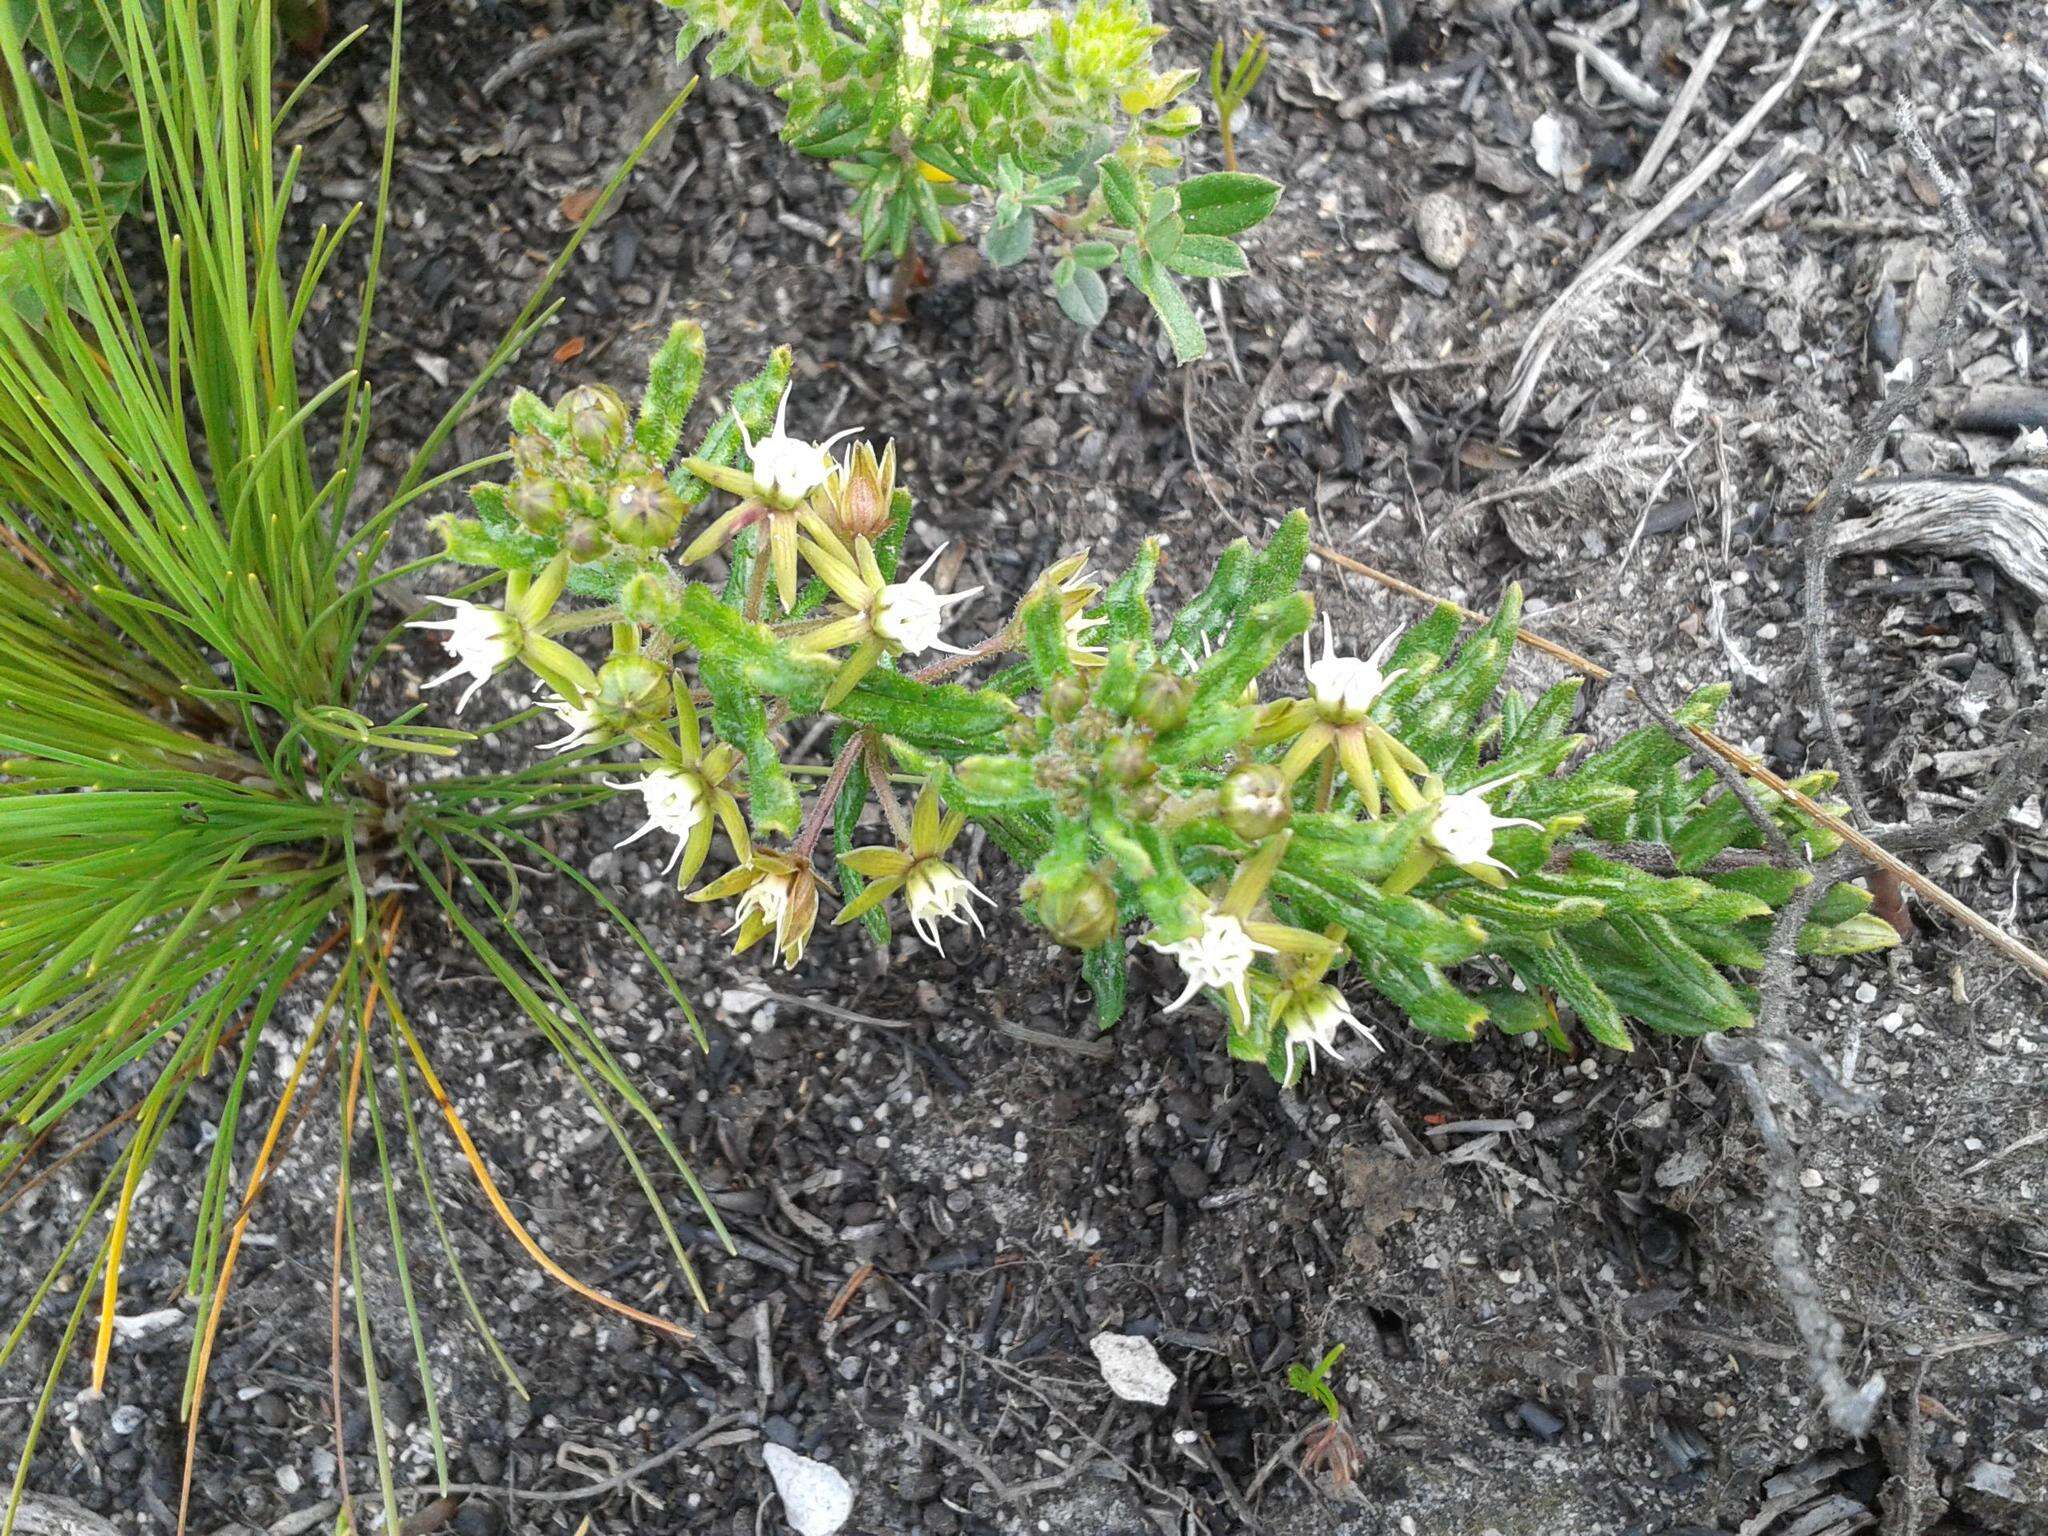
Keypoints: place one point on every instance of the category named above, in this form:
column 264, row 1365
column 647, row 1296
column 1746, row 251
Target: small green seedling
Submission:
column 1232, row 86
column 1315, row 1383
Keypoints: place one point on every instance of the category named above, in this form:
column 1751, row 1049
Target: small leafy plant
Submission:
column 1313, row 1382
column 1060, row 115
column 1395, row 812
column 1232, row 82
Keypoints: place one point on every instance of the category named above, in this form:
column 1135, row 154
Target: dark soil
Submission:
column 1560, row 1320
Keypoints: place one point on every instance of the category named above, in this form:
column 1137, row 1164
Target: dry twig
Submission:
column 1688, row 97
column 1543, row 336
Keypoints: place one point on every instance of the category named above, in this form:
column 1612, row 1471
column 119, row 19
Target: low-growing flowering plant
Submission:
column 1058, row 113
column 1398, row 824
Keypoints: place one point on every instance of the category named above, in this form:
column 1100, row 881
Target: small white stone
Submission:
column 1133, row 1369
column 816, row 1500
column 1810, row 1178
column 1443, row 225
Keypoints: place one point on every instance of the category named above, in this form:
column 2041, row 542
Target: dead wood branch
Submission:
column 1681, row 110
column 2000, row 518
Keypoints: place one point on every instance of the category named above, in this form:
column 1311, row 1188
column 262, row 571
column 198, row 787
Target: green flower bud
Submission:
column 647, row 598
column 540, row 505
column 1162, row 700
column 1129, row 761
column 1078, row 909
column 531, row 454
column 586, row 539
column 633, row 686
column 645, row 513
column 1022, row 734
column 1255, row 802
column 1066, row 698
column 596, row 418
column 1147, row 802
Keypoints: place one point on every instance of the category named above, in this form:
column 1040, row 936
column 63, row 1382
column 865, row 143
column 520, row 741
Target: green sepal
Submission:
column 1560, row 967
column 726, row 639
column 1044, row 628
column 1249, row 649
column 1107, row 972
column 739, row 719
column 673, row 376
column 931, row 715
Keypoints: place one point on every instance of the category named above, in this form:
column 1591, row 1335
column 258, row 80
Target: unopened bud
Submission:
column 1066, row 698
column 861, row 508
column 1078, row 910
column 585, row 539
column 596, row 418
column 1129, row 761
column 630, row 684
column 648, row 597
column 540, row 505
column 645, row 513
column 1162, row 700
column 1255, row 801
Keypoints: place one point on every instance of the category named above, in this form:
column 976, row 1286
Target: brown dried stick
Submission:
column 1869, row 848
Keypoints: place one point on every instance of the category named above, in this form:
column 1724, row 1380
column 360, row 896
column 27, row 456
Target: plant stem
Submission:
column 828, row 796
column 892, row 808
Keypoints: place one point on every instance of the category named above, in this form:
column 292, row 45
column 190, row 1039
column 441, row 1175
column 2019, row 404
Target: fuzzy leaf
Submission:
column 1107, row 972
column 1083, row 297
column 1226, row 202
column 1207, row 256
column 737, row 714
column 1120, row 192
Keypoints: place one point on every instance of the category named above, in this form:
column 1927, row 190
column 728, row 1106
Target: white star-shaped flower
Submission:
column 1310, row 1021
column 1218, row 956
column 909, row 614
column 1465, row 824
column 481, row 640
column 786, row 468
column 770, row 897
column 934, row 889
column 675, row 805
column 582, row 720
column 1343, row 688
